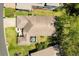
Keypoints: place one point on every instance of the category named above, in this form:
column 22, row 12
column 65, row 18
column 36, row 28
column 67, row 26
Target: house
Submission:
column 50, row 51
column 27, row 6
column 29, row 27
column 10, row 5
column 32, row 6
column 52, row 6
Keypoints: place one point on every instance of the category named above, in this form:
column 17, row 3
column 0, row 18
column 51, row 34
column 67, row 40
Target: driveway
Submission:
column 9, row 22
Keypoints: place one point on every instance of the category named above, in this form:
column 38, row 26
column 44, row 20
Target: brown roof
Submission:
column 36, row 25
column 9, row 5
column 21, row 21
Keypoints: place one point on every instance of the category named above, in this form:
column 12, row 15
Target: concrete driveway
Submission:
column 9, row 22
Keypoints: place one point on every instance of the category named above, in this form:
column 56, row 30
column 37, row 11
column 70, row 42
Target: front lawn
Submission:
column 9, row 12
column 22, row 13
column 13, row 47
column 23, row 50
column 10, row 35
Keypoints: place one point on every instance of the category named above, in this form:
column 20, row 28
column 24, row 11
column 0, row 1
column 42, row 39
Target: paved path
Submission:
column 9, row 22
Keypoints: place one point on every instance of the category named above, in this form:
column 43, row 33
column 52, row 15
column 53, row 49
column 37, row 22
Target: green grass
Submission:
column 10, row 35
column 22, row 13
column 9, row 12
column 13, row 47
column 22, row 49
column 35, row 13
column 59, row 12
column 48, row 13
column 42, row 12
column 77, row 5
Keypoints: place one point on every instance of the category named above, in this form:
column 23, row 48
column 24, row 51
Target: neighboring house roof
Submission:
column 36, row 25
column 50, row 51
column 9, row 5
column 53, row 4
column 27, row 6
column 31, row 6
column 24, row 6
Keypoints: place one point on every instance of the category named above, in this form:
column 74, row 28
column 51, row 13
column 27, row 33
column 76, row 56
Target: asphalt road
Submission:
column 3, row 49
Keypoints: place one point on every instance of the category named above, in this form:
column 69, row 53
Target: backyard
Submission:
column 22, row 13
column 9, row 12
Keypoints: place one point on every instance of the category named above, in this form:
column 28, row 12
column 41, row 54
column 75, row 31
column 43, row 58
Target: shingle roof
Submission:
column 36, row 25
column 21, row 21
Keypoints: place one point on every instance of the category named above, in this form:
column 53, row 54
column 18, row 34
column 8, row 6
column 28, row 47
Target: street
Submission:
column 3, row 49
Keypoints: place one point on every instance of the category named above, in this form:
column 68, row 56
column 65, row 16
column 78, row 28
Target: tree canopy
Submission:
column 68, row 30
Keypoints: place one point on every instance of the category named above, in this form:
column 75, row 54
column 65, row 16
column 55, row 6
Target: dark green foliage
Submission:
column 42, row 45
column 72, row 8
column 45, row 4
column 39, row 46
column 67, row 30
column 68, row 35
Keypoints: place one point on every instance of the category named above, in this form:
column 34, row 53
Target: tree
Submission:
column 72, row 8
column 45, row 4
column 68, row 34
